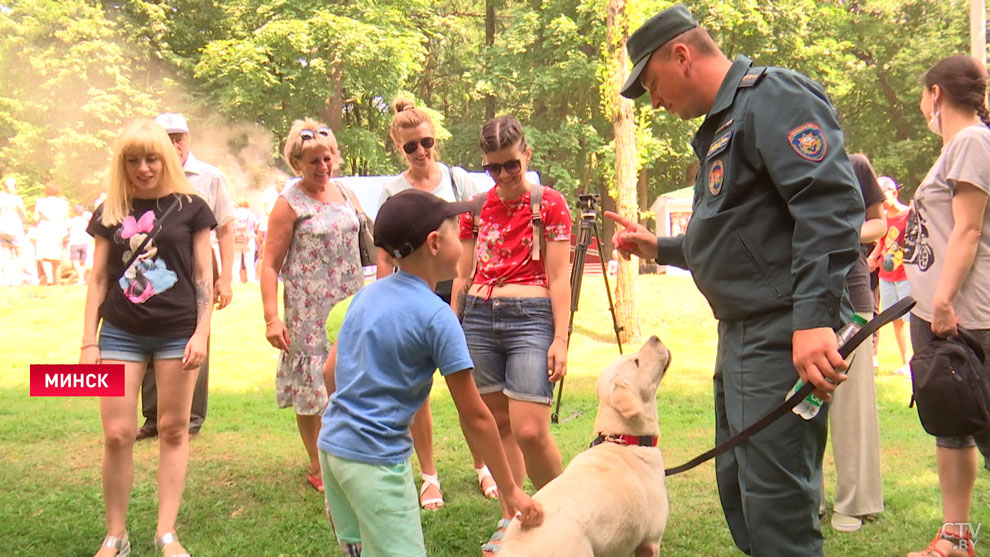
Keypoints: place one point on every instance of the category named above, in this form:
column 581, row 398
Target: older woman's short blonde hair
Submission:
column 138, row 138
column 306, row 133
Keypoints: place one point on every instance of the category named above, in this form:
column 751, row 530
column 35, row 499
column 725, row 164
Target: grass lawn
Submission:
column 246, row 492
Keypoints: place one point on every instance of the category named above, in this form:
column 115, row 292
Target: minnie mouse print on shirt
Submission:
column 148, row 275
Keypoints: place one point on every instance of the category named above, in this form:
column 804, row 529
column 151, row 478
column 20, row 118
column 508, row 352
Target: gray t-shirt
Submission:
column 965, row 159
column 465, row 186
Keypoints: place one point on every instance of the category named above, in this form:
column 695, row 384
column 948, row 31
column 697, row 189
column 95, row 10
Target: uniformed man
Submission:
column 211, row 184
column 774, row 231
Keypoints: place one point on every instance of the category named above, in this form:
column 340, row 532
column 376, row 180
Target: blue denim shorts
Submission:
column 509, row 339
column 118, row 344
column 892, row 292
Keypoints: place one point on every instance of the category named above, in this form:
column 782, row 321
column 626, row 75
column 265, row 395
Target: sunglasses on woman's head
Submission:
column 510, row 167
column 306, row 135
column 410, row 146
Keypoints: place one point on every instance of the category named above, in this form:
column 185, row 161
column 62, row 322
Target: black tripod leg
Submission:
column 608, row 289
column 577, row 274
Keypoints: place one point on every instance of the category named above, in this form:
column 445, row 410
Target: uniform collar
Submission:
column 193, row 166
column 727, row 91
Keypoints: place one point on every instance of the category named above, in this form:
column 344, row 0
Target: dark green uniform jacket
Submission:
column 776, row 211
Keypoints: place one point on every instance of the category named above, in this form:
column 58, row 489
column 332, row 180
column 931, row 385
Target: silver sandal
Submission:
column 121, row 545
column 168, row 538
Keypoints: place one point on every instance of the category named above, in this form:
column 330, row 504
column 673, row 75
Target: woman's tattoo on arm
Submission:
column 204, row 299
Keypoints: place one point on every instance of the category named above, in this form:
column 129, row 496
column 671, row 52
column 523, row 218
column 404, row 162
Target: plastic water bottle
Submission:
column 812, row 404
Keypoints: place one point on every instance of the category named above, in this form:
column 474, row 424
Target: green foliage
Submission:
column 71, row 72
column 65, row 88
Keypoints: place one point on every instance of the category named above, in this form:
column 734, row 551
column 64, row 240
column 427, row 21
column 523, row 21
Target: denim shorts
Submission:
column 893, row 292
column 118, row 344
column 509, row 339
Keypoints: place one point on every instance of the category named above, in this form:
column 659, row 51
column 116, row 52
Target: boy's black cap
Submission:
column 650, row 36
column 407, row 218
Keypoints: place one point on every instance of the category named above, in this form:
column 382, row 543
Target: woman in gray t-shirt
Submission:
column 414, row 135
column 947, row 259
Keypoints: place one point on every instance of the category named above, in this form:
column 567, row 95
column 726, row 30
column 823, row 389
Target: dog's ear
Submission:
column 625, row 400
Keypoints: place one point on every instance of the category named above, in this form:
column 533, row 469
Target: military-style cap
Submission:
column 653, row 34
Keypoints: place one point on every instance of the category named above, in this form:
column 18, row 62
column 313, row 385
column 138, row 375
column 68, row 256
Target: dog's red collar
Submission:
column 634, row 440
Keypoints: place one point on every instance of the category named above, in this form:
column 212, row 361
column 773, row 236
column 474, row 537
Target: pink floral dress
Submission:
column 321, row 268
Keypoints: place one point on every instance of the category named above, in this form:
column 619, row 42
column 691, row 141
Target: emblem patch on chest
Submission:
column 716, row 177
column 808, row 141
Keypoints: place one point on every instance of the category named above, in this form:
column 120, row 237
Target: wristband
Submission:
column 89, row 345
column 560, row 337
column 270, row 321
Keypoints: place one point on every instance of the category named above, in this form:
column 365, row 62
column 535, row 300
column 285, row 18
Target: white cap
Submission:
column 172, row 122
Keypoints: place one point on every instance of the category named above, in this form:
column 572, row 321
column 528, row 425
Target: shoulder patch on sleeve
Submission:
column 808, row 141
column 752, row 77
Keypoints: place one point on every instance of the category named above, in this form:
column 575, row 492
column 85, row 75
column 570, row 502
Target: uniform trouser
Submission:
column 769, row 485
column 149, row 396
column 855, row 433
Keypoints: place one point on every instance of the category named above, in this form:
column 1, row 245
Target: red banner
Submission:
column 77, row 380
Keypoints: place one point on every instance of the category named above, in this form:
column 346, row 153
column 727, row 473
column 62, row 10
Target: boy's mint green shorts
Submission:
column 373, row 505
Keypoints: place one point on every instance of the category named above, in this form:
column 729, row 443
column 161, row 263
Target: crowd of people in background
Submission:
column 49, row 244
column 162, row 246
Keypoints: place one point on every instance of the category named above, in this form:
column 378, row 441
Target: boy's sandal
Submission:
column 430, row 503
column 490, row 549
column 484, row 473
column 121, row 545
column 962, row 546
column 170, row 546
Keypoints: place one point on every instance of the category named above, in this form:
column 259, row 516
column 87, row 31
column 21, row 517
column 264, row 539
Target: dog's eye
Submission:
column 637, row 361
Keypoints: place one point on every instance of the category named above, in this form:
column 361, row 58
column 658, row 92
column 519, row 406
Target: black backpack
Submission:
column 951, row 386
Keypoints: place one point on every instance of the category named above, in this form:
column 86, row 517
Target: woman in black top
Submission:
column 153, row 306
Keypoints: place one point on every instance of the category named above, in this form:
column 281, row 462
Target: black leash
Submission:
column 888, row 315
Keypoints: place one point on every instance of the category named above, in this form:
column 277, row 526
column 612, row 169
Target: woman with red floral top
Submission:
column 517, row 302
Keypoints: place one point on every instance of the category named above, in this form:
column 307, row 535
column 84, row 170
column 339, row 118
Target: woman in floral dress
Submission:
column 313, row 243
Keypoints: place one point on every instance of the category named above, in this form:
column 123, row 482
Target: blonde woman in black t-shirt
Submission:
column 153, row 306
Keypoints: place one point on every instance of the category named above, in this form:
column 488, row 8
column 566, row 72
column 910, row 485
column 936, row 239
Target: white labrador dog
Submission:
column 612, row 498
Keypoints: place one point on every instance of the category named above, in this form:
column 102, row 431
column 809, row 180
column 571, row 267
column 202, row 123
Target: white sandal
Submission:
column 491, row 491
column 428, row 480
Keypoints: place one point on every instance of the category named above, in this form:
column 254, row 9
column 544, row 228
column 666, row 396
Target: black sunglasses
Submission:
column 306, row 135
column 510, row 167
column 426, row 142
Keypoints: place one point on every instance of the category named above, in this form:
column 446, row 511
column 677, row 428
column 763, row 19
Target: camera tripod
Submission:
column 589, row 226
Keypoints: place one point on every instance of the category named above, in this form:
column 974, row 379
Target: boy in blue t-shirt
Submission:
column 395, row 334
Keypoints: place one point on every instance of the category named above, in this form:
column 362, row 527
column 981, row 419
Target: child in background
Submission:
column 395, row 335
column 335, row 319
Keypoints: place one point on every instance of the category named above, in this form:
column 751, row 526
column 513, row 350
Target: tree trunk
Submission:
column 335, row 111
column 489, row 42
column 624, row 128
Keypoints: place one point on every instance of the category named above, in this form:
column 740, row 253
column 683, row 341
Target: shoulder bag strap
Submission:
column 455, row 181
column 539, row 240
column 151, row 236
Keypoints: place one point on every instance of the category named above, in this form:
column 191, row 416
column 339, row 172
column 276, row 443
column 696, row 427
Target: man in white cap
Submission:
column 210, row 182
